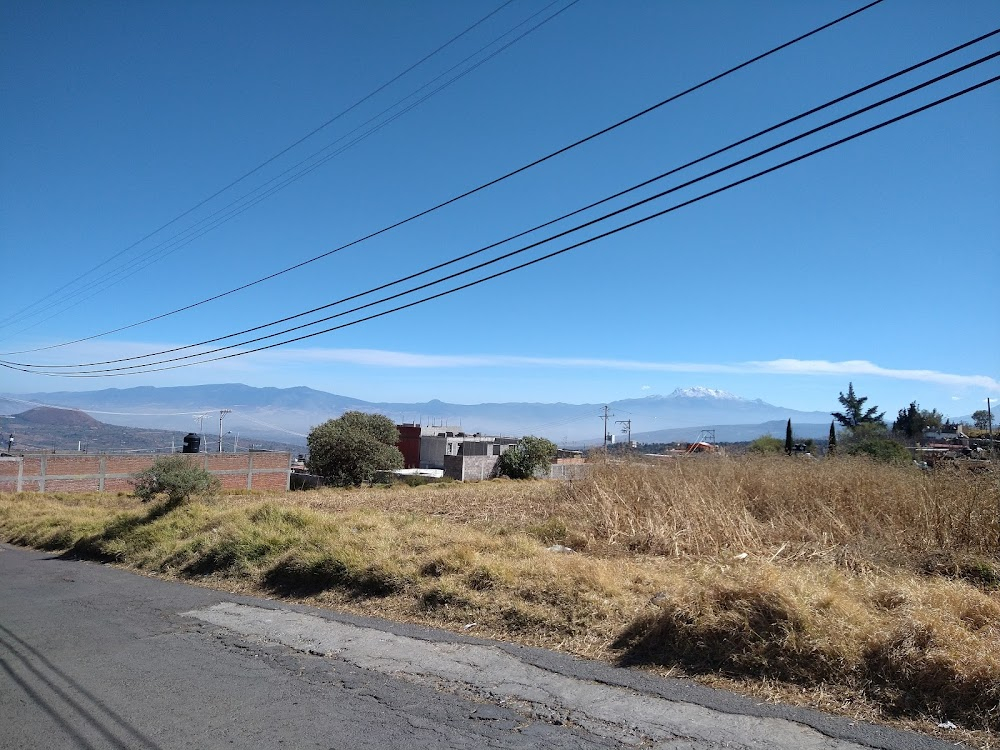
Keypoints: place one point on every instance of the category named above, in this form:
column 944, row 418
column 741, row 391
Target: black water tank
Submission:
column 192, row 443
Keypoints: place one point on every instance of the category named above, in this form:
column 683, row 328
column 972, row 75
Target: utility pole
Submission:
column 627, row 429
column 203, row 447
column 989, row 423
column 222, row 415
column 605, row 418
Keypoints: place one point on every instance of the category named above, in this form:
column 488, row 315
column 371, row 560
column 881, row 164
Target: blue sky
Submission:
column 876, row 262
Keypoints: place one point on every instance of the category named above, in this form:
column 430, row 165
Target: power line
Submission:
column 592, row 222
column 547, row 426
column 356, row 309
column 627, row 429
column 96, row 411
column 591, row 205
column 605, row 415
column 271, row 426
column 193, row 232
column 483, row 186
column 280, row 153
column 121, row 371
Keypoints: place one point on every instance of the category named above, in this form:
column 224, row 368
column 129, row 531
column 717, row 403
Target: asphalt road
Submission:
column 94, row 657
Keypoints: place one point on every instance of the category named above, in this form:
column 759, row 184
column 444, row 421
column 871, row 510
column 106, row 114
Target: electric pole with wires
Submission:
column 222, row 415
column 627, row 429
column 203, row 446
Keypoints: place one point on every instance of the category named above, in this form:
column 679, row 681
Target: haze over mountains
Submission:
column 287, row 414
column 44, row 428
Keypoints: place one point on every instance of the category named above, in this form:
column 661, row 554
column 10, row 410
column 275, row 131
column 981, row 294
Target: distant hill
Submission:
column 64, row 418
column 287, row 414
column 737, row 433
column 46, row 428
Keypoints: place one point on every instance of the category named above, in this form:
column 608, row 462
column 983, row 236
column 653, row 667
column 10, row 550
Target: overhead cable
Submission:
column 481, row 187
column 277, row 155
column 113, row 372
column 559, row 235
column 194, row 232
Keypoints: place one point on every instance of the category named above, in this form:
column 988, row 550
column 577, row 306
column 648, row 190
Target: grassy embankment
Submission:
column 859, row 588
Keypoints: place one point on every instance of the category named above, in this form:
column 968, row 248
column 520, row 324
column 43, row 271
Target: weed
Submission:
column 438, row 596
column 310, row 574
column 875, row 581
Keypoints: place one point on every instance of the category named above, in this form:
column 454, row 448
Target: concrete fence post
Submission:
column 101, row 474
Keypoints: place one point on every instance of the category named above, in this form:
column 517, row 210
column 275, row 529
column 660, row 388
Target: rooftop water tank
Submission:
column 192, row 443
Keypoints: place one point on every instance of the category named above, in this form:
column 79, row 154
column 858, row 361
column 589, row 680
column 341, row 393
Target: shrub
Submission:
column 766, row 444
column 175, row 476
column 873, row 441
column 351, row 449
column 524, row 459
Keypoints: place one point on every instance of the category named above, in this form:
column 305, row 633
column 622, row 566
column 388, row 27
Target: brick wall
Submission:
column 94, row 472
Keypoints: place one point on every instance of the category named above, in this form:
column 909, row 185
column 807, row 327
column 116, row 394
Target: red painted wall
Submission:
column 409, row 445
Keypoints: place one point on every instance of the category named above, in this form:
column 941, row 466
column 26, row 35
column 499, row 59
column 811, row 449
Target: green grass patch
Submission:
column 878, row 582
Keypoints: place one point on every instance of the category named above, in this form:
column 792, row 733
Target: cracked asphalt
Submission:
column 95, row 657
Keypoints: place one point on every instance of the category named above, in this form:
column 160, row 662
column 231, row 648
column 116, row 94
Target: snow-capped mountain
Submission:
column 289, row 413
column 699, row 391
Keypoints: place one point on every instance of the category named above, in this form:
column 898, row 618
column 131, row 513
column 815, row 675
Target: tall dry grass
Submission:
column 850, row 509
column 876, row 582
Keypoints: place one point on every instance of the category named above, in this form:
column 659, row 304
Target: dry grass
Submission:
column 871, row 512
column 853, row 586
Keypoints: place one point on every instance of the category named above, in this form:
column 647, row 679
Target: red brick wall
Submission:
column 125, row 464
column 72, row 485
column 84, row 472
column 113, row 484
column 225, row 461
column 271, row 482
column 32, row 466
column 86, row 464
column 270, row 461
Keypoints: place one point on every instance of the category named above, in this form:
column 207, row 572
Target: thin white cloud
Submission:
column 863, row 367
column 381, row 358
column 262, row 363
column 802, row 367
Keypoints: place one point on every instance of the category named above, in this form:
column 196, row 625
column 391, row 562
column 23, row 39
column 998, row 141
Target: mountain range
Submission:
column 44, row 428
column 287, row 414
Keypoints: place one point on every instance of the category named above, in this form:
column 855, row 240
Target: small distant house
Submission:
column 946, row 433
column 457, row 454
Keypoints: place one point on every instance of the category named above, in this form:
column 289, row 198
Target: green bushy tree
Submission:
column 874, row 441
column 175, row 476
column 981, row 419
column 765, row 445
column 349, row 450
column 912, row 421
column 524, row 459
column 854, row 413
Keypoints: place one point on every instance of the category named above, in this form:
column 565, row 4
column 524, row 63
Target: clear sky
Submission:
column 876, row 262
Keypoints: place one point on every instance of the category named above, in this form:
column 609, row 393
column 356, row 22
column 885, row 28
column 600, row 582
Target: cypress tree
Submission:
column 832, row 448
column 788, row 438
